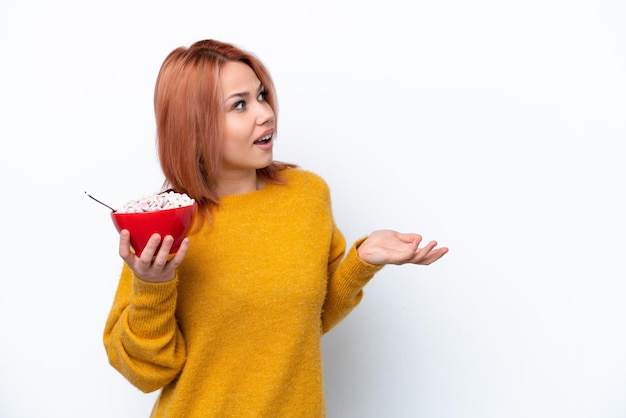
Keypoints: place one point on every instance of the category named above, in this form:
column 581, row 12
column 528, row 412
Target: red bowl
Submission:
column 175, row 222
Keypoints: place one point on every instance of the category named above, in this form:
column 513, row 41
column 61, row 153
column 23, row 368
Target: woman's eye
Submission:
column 240, row 105
column 262, row 96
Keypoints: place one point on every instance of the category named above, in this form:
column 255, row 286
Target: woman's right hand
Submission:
column 154, row 264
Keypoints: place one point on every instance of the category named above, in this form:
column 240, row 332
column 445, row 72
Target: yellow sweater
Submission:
column 238, row 332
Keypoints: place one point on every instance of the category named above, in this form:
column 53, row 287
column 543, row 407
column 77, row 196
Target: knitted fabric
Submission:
column 238, row 332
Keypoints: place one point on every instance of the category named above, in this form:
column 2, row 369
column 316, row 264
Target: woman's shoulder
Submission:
column 296, row 176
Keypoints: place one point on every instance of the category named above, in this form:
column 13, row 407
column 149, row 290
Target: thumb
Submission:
column 410, row 238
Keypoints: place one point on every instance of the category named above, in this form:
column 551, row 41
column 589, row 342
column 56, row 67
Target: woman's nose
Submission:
column 265, row 113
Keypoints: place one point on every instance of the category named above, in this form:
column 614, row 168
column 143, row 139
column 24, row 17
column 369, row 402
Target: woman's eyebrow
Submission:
column 244, row 94
column 238, row 95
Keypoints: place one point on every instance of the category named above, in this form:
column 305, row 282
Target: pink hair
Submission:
column 189, row 119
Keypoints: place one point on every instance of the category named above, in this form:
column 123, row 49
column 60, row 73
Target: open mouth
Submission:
column 264, row 140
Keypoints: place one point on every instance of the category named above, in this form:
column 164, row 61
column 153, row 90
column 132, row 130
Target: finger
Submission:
column 420, row 253
column 124, row 246
column 423, row 252
column 149, row 251
column 160, row 259
column 436, row 255
column 179, row 255
column 428, row 247
column 432, row 256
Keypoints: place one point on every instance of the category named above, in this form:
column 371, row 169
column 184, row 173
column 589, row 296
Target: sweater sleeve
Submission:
column 347, row 277
column 141, row 337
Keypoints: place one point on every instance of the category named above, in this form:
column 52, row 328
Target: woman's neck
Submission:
column 238, row 183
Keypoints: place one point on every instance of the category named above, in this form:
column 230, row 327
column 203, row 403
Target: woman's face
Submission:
column 249, row 123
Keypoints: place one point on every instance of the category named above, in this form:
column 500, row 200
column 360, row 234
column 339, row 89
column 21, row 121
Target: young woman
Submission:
column 231, row 325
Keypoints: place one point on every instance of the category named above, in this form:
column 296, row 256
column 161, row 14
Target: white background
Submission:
column 494, row 127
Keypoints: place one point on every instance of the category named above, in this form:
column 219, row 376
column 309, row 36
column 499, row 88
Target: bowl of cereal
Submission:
column 165, row 213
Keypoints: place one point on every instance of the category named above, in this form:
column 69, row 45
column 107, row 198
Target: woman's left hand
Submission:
column 391, row 247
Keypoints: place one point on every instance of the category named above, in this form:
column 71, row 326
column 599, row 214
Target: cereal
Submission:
column 156, row 202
